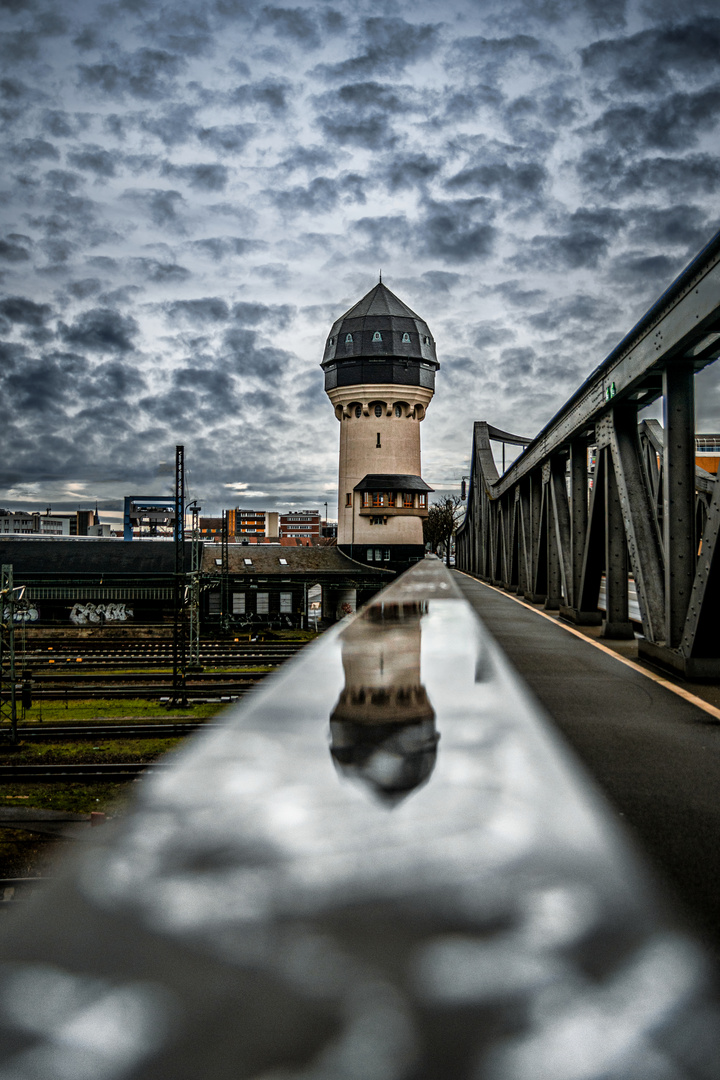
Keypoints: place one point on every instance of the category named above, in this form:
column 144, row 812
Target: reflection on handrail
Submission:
column 383, row 725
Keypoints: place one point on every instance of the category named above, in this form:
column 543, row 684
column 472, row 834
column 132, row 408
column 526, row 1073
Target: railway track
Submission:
column 75, row 774
column 73, row 685
column 92, row 732
column 156, row 654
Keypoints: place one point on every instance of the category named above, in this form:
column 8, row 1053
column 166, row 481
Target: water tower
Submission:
column 380, row 366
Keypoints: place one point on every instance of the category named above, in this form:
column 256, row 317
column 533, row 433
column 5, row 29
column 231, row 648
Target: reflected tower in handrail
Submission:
column 383, row 725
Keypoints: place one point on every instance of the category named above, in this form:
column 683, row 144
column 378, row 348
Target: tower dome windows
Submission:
column 378, row 410
column 398, row 410
column 358, row 411
column 348, row 339
column 406, row 339
column 377, row 336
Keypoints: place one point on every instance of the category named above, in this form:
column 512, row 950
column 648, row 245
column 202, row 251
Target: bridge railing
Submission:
column 550, row 527
column 382, row 865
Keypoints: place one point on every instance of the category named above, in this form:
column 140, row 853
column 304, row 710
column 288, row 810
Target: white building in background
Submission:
column 20, row 522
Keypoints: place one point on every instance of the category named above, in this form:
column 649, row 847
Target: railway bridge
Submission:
column 593, row 560
column 550, row 528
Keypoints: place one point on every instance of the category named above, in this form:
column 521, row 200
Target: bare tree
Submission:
column 441, row 523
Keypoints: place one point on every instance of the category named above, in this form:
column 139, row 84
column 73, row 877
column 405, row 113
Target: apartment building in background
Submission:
column 242, row 525
column 302, row 525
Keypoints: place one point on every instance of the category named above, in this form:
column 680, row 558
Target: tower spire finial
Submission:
column 381, row 277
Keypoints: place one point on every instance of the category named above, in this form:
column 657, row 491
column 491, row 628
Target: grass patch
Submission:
column 74, row 798
column 116, row 711
column 105, row 751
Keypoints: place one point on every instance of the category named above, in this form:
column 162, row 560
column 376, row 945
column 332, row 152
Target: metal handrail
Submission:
column 384, row 864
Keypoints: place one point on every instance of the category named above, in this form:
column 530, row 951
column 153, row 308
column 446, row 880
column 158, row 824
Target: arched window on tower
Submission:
column 348, row 339
column 358, row 411
column 377, row 336
column 406, row 339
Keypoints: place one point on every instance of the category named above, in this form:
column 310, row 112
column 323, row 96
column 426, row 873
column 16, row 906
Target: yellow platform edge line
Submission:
column 692, row 698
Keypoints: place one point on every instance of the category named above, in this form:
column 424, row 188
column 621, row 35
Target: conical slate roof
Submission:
column 380, row 325
column 380, row 301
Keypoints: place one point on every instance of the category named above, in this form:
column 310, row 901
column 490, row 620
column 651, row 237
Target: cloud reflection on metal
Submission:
column 385, row 866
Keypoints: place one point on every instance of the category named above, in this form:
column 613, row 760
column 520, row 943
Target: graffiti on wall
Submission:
column 23, row 614
column 94, row 614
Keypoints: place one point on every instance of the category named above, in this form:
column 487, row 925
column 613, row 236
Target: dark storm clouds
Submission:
column 190, row 197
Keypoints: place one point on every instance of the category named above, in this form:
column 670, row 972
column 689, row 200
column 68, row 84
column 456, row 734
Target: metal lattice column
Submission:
column 195, row 591
column 179, row 627
column 679, row 496
column 225, row 574
column 8, row 679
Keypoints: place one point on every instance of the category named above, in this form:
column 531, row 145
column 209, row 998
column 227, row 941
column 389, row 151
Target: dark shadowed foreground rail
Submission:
column 384, row 866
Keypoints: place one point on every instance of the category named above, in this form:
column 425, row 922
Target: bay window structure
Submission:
column 399, row 496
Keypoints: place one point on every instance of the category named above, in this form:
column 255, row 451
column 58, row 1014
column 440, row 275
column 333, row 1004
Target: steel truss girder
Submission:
column 554, row 549
column 561, row 523
column 700, row 634
column 617, row 616
column 684, row 318
column 641, row 532
column 547, row 542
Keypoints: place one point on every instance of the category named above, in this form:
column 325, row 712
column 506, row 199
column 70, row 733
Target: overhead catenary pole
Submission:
column 225, row 573
column 195, row 591
column 179, row 695
column 8, row 681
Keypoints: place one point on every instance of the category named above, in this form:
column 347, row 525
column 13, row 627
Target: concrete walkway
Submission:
column 655, row 755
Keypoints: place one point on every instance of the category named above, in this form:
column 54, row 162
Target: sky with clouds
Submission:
column 191, row 194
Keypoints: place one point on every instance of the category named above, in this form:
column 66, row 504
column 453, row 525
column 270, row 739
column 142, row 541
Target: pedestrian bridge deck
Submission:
column 654, row 753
